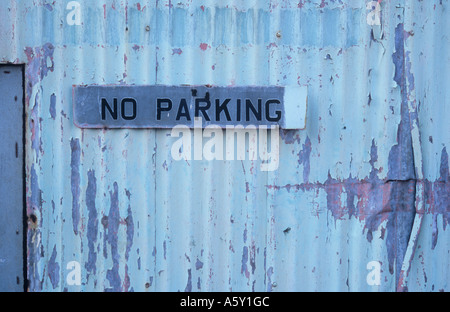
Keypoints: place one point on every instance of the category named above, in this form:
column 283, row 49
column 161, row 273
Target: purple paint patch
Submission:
column 130, row 233
column 38, row 65
column 177, row 51
column 198, row 264
column 401, row 167
column 53, row 269
column 75, row 182
column 444, row 168
column 334, row 189
column 52, row 109
column 164, row 249
column 48, row 6
column 127, row 281
column 35, row 127
column 437, row 197
column 253, row 258
column 244, row 261
column 34, row 235
column 34, row 254
column 401, row 156
column 269, row 274
column 112, row 274
column 400, row 222
column 351, row 186
column 189, row 282
column 35, row 200
column 289, row 136
column 303, row 158
column 92, row 227
column 104, row 222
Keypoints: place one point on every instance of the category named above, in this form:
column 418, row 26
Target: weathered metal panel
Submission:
column 11, row 178
column 366, row 182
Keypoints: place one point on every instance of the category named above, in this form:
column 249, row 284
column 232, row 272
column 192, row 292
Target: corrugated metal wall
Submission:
column 367, row 180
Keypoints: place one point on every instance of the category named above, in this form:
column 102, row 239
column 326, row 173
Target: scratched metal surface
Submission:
column 367, row 180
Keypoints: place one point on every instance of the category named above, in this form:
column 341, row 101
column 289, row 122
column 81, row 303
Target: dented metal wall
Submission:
column 366, row 181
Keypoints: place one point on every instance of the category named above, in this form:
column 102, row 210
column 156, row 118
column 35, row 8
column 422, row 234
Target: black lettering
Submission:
column 222, row 107
column 160, row 109
column 183, row 110
column 203, row 109
column 112, row 112
column 249, row 106
column 277, row 112
column 134, row 110
column 238, row 110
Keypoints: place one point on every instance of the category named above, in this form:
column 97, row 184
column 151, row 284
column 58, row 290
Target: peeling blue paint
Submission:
column 37, row 65
column 244, row 269
column 198, row 264
column 53, row 269
column 130, row 233
column 199, row 284
column 104, row 222
column 401, row 158
column 112, row 275
column 36, row 193
column 130, row 228
column 269, row 274
column 347, row 186
column 92, row 228
column 34, row 235
column 75, row 182
column 253, row 258
column 52, row 109
column 304, row 158
column 393, row 201
column 400, row 222
column 437, row 197
column 189, row 282
column 401, row 168
column 34, row 256
column 164, row 249
column 290, row 136
column 35, row 126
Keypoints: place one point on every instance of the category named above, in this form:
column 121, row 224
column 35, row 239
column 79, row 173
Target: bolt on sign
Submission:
column 169, row 106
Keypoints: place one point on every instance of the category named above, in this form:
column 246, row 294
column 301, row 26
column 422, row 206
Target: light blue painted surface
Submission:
column 296, row 107
column 11, row 179
column 367, row 180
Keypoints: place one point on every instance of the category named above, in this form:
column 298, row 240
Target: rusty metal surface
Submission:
column 366, row 181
